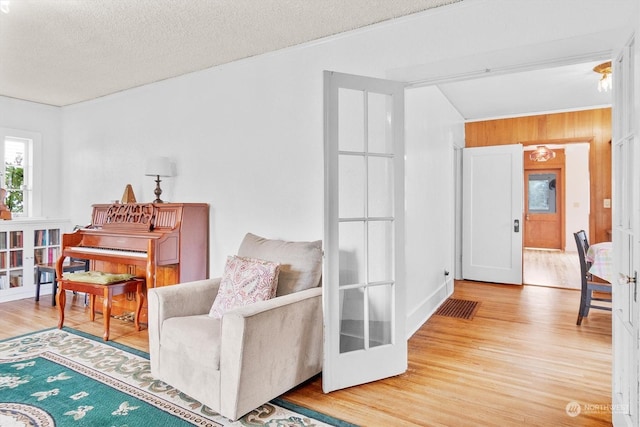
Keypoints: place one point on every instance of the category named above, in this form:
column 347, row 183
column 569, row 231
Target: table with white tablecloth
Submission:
column 600, row 255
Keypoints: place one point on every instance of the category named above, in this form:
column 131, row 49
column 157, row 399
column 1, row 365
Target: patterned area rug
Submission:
column 68, row 378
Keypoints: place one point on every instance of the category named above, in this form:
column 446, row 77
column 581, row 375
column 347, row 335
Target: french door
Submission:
column 626, row 239
column 363, row 296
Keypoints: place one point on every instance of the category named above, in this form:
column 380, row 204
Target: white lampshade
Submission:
column 158, row 166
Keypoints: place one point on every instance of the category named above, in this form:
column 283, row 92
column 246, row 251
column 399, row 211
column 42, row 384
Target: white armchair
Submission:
column 253, row 353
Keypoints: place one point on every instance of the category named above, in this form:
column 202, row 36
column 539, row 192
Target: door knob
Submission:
column 628, row 280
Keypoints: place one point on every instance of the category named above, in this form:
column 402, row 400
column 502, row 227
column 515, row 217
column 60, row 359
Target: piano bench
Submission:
column 107, row 292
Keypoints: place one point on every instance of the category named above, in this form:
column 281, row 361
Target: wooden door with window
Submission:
column 544, row 203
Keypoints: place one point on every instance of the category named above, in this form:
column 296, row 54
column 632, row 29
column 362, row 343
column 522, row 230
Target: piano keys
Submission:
column 164, row 243
column 114, row 252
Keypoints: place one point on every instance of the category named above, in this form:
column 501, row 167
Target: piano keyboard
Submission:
column 104, row 251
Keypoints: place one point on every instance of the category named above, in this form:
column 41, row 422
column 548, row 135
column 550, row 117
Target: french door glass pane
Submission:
column 380, row 315
column 351, row 320
column 352, row 253
column 380, row 186
column 351, row 131
column 351, row 183
column 380, row 248
column 379, row 120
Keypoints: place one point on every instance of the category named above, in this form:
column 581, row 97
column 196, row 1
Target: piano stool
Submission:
column 106, row 291
column 75, row 264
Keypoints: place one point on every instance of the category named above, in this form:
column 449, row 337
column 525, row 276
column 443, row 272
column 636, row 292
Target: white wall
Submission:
column 247, row 136
column 577, row 201
column 433, row 127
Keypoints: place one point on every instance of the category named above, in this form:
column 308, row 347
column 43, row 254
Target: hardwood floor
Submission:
column 519, row 361
column 551, row 268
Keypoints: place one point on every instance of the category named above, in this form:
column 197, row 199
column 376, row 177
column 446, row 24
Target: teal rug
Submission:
column 69, row 378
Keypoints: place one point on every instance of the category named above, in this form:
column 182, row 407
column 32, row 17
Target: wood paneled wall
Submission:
column 593, row 126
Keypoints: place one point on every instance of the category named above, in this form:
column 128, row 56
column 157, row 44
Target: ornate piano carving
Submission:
column 165, row 243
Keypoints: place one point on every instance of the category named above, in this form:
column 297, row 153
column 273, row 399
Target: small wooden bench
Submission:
column 106, row 291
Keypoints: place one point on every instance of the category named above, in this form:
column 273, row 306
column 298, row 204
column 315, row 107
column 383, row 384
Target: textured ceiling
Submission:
column 61, row 52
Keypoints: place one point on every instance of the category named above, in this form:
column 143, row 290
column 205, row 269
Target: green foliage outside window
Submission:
column 13, row 184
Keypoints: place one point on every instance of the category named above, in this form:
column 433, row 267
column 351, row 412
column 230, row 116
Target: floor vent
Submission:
column 458, row 308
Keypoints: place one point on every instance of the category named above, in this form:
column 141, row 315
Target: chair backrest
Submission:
column 582, row 243
column 86, row 262
column 300, row 262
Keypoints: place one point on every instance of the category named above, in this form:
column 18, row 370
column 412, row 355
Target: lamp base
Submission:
column 158, row 190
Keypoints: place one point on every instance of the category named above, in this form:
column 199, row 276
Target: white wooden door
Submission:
column 492, row 191
column 626, row 239
column 364, row 308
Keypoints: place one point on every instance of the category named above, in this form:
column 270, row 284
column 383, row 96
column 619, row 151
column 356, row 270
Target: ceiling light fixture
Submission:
column 542, row 154
column 605, row 83
column 4, row 6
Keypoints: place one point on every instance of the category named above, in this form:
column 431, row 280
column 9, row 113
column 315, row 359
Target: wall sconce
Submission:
column 158, row 166
column 542, row 154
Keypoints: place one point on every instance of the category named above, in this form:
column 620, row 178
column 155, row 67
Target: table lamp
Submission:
column 158, row 166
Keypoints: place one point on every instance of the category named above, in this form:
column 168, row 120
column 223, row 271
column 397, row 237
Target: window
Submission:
column 16, row 170
column 15, row 151
column 542, row 193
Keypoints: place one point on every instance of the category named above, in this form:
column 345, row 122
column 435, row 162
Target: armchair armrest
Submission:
column 184, row 299
column 268, row 348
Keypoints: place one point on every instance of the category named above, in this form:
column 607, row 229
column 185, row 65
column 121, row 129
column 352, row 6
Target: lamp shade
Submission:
column 158, row 166
column 542, row 154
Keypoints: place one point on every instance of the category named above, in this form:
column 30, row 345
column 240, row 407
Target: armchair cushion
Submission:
column 189, row 335
column 245, row 281
column 300, row 262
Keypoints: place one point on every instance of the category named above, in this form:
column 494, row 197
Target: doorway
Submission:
column 544, row 208
column 556, row 205
column 544, row 201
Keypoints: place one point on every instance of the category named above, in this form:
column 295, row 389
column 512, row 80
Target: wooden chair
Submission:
column 588, row 286
column 43, row 269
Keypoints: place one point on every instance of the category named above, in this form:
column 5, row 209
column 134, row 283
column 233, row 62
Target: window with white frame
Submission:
column 16, row 169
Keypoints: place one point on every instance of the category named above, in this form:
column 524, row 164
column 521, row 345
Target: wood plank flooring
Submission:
column 551, row 268
column 519, row 361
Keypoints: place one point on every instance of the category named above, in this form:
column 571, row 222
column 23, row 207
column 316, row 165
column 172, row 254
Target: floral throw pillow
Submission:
column 245, row 281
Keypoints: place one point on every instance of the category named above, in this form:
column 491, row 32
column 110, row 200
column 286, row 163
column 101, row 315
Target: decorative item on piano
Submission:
column 158, row 166
column 5, row 213
column 128, row 196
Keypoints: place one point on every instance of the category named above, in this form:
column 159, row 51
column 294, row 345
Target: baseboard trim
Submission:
column 418, row 316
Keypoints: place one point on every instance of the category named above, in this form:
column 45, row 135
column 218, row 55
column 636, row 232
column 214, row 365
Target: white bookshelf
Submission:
column 23, row 244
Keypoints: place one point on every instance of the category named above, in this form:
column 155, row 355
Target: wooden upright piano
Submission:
column 164, row 243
